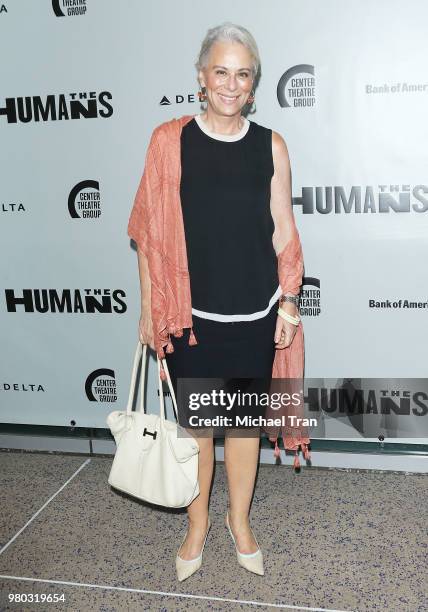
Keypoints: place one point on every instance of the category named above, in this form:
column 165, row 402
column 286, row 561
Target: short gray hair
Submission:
column 228, row 31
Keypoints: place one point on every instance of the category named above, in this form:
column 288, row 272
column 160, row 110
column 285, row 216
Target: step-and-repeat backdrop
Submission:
column 82, row 85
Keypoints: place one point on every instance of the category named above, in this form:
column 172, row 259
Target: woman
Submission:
column 235, row 199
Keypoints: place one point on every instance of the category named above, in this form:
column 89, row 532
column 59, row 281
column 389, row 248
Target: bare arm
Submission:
column 145, row 325
column 280, row 202
column 285, row 225
column 145, row 287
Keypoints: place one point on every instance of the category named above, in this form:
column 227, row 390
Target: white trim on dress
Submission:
column 214, row 316
column 225, row 137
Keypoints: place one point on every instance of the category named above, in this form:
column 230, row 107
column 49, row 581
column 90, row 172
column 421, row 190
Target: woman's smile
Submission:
column 228, row 99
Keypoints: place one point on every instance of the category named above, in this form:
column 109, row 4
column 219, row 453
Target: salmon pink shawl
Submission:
column 156, row 225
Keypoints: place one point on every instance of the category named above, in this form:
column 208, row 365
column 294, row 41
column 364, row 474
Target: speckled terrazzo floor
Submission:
column 332, row 540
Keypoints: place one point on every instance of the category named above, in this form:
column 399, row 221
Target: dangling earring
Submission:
column 250, row 102
column 202, row 95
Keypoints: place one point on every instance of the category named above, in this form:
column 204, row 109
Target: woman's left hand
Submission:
column 285, row 331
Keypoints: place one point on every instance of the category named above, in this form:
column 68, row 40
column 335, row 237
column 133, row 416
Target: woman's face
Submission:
column 227, row 77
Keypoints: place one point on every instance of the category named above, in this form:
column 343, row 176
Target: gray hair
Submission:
column 228, row 31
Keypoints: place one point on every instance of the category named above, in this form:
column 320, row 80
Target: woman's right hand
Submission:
column 146, row 329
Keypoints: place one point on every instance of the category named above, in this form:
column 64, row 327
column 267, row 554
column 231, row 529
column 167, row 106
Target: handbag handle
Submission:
column 141, row 352
column 171, row 390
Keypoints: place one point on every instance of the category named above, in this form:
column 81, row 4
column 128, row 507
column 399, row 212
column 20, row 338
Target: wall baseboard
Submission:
column 346, row 459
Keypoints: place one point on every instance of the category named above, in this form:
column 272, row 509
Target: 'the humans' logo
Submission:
column 61, row 107
column 100, row 386
column 367, row 199
column 87, row 301
column 296, row 87
column 71, row 8
column 354, row 396
column 83, row 204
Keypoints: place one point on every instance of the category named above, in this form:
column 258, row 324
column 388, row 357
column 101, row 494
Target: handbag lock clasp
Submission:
column 149, row 433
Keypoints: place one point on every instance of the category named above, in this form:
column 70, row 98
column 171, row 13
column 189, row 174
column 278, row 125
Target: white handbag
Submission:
column 156, row 460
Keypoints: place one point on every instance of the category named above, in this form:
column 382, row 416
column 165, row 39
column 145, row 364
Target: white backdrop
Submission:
column 361, row 129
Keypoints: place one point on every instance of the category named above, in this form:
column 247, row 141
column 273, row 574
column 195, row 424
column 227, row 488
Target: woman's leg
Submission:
column 197, row 511
column 185, row 362
column 255, row 341
column 241, row 458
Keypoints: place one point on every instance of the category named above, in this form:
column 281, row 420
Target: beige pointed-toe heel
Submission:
column 187, row 567
column 253, row 562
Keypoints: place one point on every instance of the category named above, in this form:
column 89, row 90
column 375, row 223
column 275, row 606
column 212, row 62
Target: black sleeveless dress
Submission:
column 225, row 199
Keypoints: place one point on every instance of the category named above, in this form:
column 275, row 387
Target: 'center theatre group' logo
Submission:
column 296, row 87
column 310, row 298
column 69, row 8
column 83, row 201
column 100, row 386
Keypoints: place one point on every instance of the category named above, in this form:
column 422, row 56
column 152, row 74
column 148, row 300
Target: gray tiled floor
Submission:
column 331, row 539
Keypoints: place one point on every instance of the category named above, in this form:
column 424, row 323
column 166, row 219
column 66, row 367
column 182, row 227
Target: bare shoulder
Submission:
column 279, row 149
